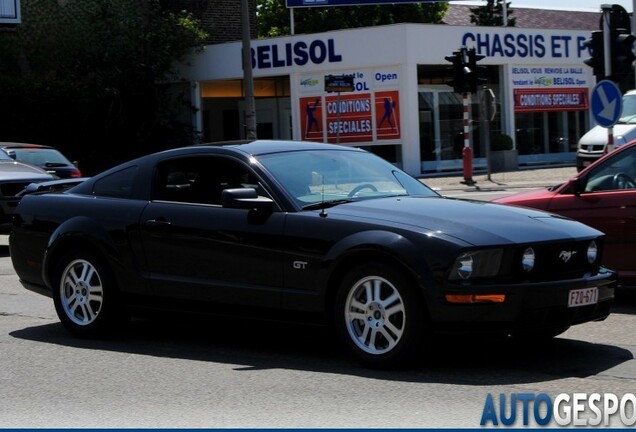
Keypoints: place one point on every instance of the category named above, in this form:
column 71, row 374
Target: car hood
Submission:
column 16, row 171
column 538, row 199
column 474, row 222
column 598, row 134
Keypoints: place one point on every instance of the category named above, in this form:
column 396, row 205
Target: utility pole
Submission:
column 250, row 103
column 634, row 27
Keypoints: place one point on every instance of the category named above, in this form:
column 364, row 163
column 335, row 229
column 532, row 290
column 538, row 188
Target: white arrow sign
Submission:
column 609, row 107
column 606, row 103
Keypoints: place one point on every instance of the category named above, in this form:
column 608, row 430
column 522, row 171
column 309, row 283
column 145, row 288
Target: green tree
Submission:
column 86, row 76
column 273, row 18
column 491, row 15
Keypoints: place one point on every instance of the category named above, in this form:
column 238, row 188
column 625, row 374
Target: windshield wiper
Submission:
column 326, row 204
column 627, row 120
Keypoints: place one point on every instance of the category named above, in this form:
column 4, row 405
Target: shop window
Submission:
column 549, row 132
column 390, row 153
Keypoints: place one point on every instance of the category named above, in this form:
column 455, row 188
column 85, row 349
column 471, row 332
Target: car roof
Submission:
column 24, row 145
column 259, row 147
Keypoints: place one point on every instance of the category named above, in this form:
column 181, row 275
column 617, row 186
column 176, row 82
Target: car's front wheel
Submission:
column 85, row 295
column 379, row 317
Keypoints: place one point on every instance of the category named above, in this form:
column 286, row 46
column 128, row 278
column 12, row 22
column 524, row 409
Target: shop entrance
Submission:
column 441, row 120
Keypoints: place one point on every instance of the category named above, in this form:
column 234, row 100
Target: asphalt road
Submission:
column 221, row 373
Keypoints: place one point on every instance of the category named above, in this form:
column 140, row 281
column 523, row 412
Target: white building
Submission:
column 401, row 107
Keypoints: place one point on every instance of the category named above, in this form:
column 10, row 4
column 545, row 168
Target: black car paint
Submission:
column 287, row 259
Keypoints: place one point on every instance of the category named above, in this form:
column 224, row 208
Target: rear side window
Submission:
column 200, row 180
column 118, row 184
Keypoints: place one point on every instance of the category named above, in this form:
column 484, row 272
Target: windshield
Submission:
column 41, row 157
column 5, row 157
column 629, row 109
column 323, row 176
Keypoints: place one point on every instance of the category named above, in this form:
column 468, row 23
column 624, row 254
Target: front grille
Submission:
column 556, row 261
column 592, row 148
column 12, row 189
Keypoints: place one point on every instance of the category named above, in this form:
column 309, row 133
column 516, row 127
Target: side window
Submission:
column 615, row 173
column 200, row 179
column 118, row 185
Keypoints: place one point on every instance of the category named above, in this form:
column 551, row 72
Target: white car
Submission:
column 593, row 144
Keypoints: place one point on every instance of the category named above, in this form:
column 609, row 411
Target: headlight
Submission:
column 464, row 266
column 475, row 264
column 592, row 252
column 528, row 259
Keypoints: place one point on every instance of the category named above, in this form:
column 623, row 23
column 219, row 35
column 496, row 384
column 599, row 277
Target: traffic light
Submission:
column 467, row 75
column 477, row 76
column 459, row 70
column 622, row 43
column 617, row 22
column 597, row 61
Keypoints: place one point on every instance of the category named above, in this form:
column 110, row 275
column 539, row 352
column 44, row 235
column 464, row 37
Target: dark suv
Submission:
column 45, row 157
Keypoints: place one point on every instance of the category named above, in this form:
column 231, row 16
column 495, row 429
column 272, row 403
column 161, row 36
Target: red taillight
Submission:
column 76, row 173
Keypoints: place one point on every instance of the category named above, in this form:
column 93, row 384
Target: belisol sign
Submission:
column 323, row 3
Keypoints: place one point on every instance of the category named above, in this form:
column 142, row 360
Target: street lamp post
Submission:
column 250, row 104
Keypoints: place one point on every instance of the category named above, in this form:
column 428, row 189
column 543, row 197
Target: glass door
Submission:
column 441, row 115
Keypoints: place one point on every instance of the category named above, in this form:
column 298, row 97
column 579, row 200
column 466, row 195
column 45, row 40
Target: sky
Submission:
column 585, row 5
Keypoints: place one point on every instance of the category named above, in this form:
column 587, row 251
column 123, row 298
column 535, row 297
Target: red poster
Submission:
column 311, row 125
column 387, row 115
column 553, row 99
column 349, row 119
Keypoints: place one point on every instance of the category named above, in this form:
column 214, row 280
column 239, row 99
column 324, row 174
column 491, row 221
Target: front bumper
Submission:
column 584, row 159
column 527, row 306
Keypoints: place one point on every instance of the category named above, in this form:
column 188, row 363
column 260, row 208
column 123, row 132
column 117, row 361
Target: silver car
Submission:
column 14, row 177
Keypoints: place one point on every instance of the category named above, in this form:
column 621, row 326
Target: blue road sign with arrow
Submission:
column 607, row 103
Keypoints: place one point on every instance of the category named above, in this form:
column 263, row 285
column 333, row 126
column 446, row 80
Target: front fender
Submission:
column 413, row 257
column 389, row 241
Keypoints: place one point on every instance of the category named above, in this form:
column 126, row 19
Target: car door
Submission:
column 608, row 203
column 198, row 250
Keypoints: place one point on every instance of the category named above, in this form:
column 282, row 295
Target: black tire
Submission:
column 386, row 330
column 85, row 295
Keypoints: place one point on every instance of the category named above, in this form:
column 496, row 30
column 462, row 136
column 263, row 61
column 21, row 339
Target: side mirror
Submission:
column 245, row 198
column 577, row 186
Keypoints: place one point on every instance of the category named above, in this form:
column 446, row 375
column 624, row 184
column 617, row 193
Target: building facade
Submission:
column 401, row 107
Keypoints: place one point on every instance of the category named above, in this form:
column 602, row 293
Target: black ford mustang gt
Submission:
column 313, row 229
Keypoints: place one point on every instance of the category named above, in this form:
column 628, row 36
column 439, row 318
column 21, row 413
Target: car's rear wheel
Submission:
column 85, row 295
column 379, row 316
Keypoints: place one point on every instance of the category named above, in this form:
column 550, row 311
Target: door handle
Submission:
column 157, row 222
